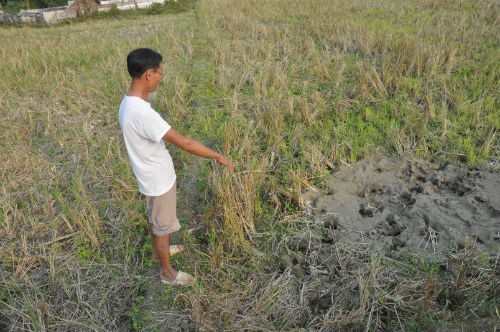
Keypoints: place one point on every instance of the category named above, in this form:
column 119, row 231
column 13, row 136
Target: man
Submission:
column 145, row 133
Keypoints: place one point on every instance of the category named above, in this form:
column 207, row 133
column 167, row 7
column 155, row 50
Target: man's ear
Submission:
column 147, row 75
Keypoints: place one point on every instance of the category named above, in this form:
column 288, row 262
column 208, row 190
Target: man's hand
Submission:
column 224, row 161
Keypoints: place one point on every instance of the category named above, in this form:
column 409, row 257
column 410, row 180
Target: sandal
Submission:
column 175, row 249
column 182, row 279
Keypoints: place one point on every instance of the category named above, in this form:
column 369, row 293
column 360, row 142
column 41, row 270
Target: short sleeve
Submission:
column 154, row 127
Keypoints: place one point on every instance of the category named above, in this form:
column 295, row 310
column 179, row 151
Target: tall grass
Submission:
column 289, row 90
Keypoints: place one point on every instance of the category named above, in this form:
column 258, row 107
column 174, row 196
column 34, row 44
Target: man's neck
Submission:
column 137, row 90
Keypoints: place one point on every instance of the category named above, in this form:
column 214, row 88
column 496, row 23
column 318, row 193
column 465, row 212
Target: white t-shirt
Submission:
column 143, row 129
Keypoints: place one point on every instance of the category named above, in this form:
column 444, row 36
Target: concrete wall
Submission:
column 126, row 5
column 37, row 16
column 56, row 14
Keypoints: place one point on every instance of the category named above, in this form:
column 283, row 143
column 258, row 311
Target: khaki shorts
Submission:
column 162, row 212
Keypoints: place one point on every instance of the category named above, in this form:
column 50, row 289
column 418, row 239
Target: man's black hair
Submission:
column 142, row 59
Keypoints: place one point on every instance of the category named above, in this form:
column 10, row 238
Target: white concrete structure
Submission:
column 33, row 16
column 56, row 14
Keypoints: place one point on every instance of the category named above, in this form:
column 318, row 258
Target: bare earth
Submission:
column 389, row 204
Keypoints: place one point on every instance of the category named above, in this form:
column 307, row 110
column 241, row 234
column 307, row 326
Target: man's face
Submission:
column 155, row 77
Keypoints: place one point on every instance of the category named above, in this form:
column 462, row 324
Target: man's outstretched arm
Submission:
column 196, row 148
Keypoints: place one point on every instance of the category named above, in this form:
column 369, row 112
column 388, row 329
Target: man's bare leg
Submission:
column 155, row 257
column 161, row 245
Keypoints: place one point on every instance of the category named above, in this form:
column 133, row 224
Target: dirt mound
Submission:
column 388, row 204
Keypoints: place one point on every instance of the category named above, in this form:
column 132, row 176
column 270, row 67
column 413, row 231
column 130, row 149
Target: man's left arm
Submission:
column 194, row 147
